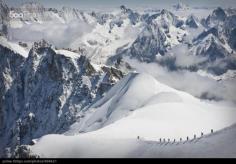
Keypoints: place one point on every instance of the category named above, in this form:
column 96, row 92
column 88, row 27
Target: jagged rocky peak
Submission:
column 150, row 42
column 4, row 10
column 10, row 64
column 113, row 73
column 166, row 12
column 86, row 65
column 192, row 21
column 230, row 30
column 37, row 49
column 165, row 19
column 22, row 151
column 211, row 47
column 32, row 7
column 69, row 13
column 212, row 31
column 230, row 22
column 32, row 11
column 218, row 15
column 47, row 84
column 132, row 15
column 101, row 18
column 213, row 53
column 232, row 39
column 66, row 8
column 230, row 11
column 3, row 4
column 41, row 43
column 123, row 8
column 173, row 19
column 181, row 6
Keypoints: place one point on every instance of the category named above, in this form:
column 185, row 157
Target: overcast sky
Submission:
column 131, row 3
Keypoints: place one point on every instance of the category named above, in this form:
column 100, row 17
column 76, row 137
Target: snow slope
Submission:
column 140, row 105
column 68, row 53
column 154, row 111
column 218, row 145
column 14, row 47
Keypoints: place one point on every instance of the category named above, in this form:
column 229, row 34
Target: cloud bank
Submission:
column 191, row 82
column 59, row 34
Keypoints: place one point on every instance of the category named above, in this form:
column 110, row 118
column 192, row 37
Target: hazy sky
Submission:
column 131, row 3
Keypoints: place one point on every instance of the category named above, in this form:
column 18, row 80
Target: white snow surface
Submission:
column 217, row 145
column 14, row 47
column 67, row 53
column 139, row 105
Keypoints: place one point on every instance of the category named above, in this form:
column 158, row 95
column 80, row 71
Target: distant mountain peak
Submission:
column 181, row 6
column 123, row 7
column 217, row 16
column 219, row 12
column 192, row 21
column 32, row 5
column 40, row 44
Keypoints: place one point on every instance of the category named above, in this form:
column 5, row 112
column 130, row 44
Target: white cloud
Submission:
column 190, row 82
column 183, row 57
column 59, row 34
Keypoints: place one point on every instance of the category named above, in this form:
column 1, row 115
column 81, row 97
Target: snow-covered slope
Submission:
column 151, row 109
column 14, row 47
column 218, row 145
column 159, row 112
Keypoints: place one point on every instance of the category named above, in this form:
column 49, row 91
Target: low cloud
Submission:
column 191, row 82
column 59, row 34
column 183, row 57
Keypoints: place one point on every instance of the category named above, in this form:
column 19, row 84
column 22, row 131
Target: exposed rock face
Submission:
column 218, row 16
column 192, row 21
column 230, row 30
column 232, row 39
column 213, row 49
column 45, row 92
column 10, row 63
column 133, row 16
column 4, row 10
column 165, row 19
column 148, row 44
column 222, row 26
column 180, row 6
column 155, row 38
column 217, row 58
column 214, row 31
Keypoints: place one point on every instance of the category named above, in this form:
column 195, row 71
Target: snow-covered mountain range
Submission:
column 113, row 76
